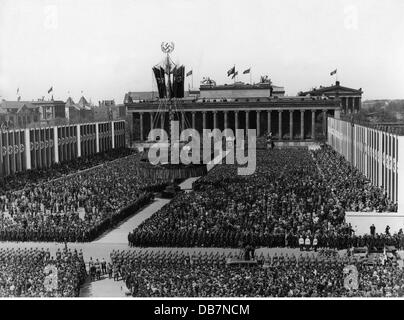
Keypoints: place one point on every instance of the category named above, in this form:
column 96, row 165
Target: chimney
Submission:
column 337, row 83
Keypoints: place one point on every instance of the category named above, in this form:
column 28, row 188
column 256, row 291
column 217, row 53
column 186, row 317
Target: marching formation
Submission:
column 158, row 274
column 35, row 273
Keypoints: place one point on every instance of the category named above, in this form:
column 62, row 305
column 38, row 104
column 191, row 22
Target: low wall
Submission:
column 361, row 221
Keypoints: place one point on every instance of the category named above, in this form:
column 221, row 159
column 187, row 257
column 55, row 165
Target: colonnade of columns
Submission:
column 350, row 104
column 286, row 127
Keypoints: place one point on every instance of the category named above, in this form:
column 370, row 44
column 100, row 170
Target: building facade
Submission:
column 239, row 90
column 18, row 114
column 351, row 99
column 23, row 114
column 76, row 112
column 294, row 119
column 34, row 148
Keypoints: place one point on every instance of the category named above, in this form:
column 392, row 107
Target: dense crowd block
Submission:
column 161, row 274
column 77, row 207
column 35, row 273
column 27, row 178
column 294, row 193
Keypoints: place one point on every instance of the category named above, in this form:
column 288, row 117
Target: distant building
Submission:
column 139, row 96
column 18, row 114
column 351, row 99
column 108, row 111
column 22, row 114
column 106, row 103
column 78, row 112
column 240, row 90
column 50, row 109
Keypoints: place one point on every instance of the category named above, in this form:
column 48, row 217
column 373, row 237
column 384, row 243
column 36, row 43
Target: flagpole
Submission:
column 250, row 77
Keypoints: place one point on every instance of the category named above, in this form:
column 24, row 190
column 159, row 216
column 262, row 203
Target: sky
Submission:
column 104, row 48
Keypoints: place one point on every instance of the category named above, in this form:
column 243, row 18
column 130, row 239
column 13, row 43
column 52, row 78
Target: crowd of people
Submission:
column 78, row 207
column 26, row 178
column 161, row 274
column 295, row 192
column 35, row 273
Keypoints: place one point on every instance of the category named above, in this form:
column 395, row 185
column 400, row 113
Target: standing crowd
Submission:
column 35, row 273
column 158, row 274
column 294, row 193
column 78, row 207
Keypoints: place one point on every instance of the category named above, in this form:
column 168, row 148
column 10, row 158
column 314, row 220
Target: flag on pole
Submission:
column 247, row 71
column 234, row 74
column 50, row 89
column 333, row 72
column 189, row 73
column 231, row 71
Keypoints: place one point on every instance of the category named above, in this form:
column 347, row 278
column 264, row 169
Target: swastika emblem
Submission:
column 167, row 47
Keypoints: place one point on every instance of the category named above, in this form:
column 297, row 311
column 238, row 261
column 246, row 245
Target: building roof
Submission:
column 19, row 105
column 334, row 89
column 83, row 102
column 235, row 86
column 69, row 102
column 140, row 95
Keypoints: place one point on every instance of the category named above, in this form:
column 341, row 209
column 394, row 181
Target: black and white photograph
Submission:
column 187, row 149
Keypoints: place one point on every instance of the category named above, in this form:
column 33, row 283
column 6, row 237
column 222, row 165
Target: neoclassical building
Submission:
column 351, row 99
column 239, row 106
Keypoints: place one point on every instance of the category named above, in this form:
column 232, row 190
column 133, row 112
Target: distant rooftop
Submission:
column 331, row 90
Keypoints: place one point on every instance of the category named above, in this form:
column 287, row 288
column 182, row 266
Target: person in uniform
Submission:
column 301, row 243
column 372, row 230
column 307, row 243
column 315, row 243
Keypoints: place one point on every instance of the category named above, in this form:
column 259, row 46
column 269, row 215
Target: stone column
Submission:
column 214, row 119
column 182, row 121
column 141, row 126
column 313, row 124
column 324, row 122
column 162, row 121
column 302, row 124
column 203, row 119
column 247, row 122
column 291, row 124
column 236, row 120
column 351, row 103
column 193, row 121
column 258, row 123
column 151, row 120
column 280, row 124
column 269, row 121
column 226, row 125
